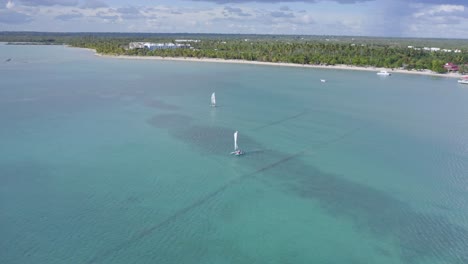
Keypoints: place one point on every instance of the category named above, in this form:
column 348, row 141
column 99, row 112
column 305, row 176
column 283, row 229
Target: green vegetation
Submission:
column 325, row 50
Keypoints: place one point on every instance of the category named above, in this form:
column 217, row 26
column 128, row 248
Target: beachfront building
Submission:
column 435, row 49
column 449, row 66
column 156, row 46
column 136, row 45
column 431, row 49
column 187, row 40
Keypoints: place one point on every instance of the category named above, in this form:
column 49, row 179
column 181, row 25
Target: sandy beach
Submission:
column 283, row 64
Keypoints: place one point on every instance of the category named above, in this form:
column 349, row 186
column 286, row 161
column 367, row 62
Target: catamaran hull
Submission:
column 237, row 153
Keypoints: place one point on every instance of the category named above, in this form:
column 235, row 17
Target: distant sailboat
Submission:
column 237, row 151
column 213, row 100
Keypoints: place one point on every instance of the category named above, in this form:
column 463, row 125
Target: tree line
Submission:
column 317, row 50
column 316, row 53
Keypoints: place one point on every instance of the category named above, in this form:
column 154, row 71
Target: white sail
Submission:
column 235, row 141
column 213, row 99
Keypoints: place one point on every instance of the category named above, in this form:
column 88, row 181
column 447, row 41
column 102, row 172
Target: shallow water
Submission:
column 123, row 161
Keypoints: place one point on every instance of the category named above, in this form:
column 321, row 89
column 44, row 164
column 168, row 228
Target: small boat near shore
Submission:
column 463, row 80
column 384, row 73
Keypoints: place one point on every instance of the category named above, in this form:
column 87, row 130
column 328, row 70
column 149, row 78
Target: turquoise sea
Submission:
column 119, row 161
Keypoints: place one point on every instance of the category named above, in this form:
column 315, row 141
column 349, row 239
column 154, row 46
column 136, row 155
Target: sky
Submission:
column 392, row 18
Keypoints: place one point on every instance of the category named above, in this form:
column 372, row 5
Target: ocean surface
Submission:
column 107, row 160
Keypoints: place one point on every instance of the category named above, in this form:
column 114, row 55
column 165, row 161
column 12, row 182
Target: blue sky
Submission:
column 399, row 18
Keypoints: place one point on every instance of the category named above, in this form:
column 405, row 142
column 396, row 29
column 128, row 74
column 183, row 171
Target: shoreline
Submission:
column 281, row 64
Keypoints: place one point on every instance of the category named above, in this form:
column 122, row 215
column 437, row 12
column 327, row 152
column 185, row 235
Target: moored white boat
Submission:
column 323, row 80
column 384, row 73
column 463, row 80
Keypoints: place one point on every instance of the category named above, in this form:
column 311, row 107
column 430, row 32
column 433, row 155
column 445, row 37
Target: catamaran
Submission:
column 237, row 151
column 213, row 100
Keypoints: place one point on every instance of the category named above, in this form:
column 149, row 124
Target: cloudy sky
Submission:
column 400, row 18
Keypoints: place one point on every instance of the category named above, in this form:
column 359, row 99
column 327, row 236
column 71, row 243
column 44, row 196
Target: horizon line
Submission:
column 227, row 34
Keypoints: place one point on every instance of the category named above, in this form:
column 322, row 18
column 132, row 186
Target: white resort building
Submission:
column 155, row 46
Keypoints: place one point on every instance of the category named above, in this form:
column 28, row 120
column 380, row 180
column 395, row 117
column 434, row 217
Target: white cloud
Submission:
column 400, row 18
column 438, row 10
column 10, row 4
column 444, row 21
column 305, row 19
